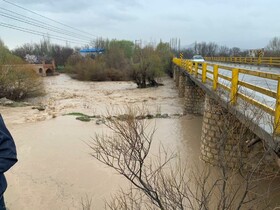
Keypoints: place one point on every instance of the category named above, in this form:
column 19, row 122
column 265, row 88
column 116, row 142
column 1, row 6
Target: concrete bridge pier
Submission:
column 174, row 68
column 225, row 141
column 182, row 84
column 176, row 75
column 194, row 98
column 217, row 139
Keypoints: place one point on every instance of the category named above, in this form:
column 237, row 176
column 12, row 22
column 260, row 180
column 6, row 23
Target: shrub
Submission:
column 147, row 67
column 88, row 69
column 18, row 82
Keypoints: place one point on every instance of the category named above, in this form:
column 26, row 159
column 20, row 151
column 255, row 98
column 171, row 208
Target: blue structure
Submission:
column 92, row 51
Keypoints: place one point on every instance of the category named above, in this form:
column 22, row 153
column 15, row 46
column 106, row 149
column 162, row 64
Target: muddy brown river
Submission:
column 55, row 169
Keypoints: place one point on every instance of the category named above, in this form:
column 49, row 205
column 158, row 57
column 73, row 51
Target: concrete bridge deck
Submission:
column 270, row 69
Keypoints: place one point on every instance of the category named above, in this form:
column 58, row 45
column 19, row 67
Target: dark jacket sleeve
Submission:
column 8, row 154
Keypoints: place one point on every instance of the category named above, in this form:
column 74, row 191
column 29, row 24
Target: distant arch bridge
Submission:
column 43, row 69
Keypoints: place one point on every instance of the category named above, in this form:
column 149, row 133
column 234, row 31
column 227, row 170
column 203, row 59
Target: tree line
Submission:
column 45, row 50
column 212, row 49
column 122, row 60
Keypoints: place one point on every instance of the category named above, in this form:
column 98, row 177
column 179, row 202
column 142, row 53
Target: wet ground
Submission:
column 55, row 169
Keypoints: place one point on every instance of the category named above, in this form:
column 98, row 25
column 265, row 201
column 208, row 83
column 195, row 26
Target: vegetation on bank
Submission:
column 17, row 82
column 6, row 57
column 122, row 60
column 101, row 119
column 45, row 49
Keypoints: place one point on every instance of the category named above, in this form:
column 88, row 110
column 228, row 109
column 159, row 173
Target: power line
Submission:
column 39, row 33
column 40, row 25
column 47, row 17
column 43, row 23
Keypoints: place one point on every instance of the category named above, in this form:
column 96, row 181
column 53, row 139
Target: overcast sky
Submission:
column 242, row 23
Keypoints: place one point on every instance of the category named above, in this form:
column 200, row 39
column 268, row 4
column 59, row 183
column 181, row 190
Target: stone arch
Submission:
column 49, row 72
column 40, row 71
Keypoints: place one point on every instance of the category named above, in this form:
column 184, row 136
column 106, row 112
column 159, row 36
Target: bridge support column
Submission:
column 177, row 75
column 174, row 72
column 194, row 98
column 224, row 142
column 182, row 84
column 215, row 142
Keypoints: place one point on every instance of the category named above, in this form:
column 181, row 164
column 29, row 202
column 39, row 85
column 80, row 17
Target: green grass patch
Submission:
column 83, row 118
column 16, row 104
column 78, row 114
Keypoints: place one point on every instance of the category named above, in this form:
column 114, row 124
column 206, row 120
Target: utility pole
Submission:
column 138, row 43
column 179, row 45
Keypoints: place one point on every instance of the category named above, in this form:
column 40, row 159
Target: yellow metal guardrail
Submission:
column 269, row 61
column 194, row 69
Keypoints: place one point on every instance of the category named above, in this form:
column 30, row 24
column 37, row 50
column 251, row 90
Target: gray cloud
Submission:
column 242, row 23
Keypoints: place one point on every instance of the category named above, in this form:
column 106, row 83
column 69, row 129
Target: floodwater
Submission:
column 55, row 169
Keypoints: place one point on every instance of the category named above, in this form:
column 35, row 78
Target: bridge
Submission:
column 43, row 69
column 241, row 112
column 268, row 61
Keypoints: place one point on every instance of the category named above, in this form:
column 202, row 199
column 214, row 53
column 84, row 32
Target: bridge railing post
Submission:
column 187, row 66
column 204, row 72
column 181, row 60
column 259, row 60
column 277, row 110
column 234, row 86
column 196, row 69
column 215, row 77
column 190, row 66
column 183, row 64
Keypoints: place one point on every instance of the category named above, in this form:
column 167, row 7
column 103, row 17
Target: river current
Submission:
column 55, row 169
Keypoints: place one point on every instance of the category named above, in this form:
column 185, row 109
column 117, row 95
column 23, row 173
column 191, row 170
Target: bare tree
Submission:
column 165, row 183
column 126, row 152
column 224, row 51
column 235, row 51
column 273, row 47
column 212, row 49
